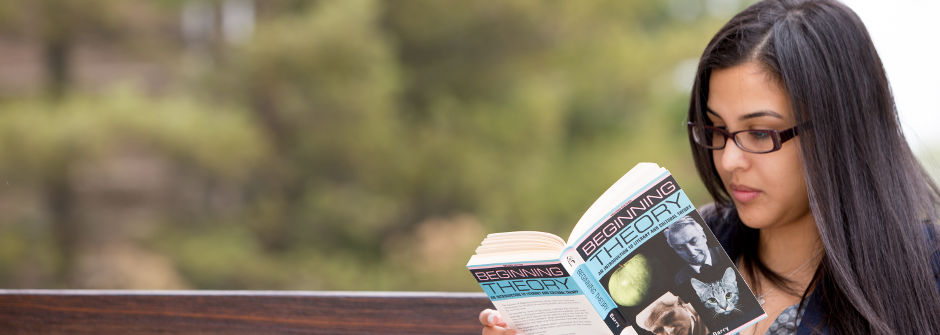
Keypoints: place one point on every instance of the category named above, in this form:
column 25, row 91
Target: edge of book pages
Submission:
column 519, row 246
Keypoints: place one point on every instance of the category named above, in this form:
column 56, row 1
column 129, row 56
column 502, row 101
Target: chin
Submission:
column 749, row 224
column 752, row 221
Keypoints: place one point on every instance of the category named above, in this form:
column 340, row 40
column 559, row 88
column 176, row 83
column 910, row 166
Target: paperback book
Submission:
column 640, row 260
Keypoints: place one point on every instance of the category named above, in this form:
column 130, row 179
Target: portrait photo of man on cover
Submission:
column 687, row 238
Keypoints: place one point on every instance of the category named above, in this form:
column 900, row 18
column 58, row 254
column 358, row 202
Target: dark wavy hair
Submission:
column 875, row 207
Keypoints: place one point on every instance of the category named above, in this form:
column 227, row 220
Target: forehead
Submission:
column 744, row 92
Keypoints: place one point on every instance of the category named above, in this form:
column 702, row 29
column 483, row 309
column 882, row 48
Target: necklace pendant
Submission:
column 760, row 299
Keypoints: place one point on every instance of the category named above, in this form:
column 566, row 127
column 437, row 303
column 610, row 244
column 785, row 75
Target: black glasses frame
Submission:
column 778, row 137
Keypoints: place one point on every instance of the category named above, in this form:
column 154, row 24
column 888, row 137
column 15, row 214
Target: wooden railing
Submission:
column 238, row 312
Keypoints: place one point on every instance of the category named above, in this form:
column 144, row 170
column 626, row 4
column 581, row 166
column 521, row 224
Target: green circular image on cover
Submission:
column 629, row 281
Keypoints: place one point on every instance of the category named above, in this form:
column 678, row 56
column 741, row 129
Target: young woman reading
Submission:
column 817, row 195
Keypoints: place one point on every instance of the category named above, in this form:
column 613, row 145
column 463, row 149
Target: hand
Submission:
column 493, row 323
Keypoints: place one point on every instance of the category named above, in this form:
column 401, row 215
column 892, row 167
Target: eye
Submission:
column 758, row 135
column 728, row 295
column 712, row 300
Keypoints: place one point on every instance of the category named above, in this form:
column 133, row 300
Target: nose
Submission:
column 731, row 157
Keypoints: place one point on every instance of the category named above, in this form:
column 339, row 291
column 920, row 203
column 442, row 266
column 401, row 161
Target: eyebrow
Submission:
column 751, row 115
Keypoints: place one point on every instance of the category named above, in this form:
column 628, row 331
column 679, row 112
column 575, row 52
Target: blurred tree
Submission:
column 123, row 163
column 321, row 85
column 60, row 26
column 393, row 120
column 353, row 144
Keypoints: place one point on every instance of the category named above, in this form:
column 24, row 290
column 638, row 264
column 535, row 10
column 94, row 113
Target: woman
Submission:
column 818, row 197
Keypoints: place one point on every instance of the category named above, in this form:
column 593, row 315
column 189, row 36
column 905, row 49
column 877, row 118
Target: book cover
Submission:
column 640, row 261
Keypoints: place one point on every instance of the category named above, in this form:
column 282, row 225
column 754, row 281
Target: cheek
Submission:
column 784, row 175
column 785, row 186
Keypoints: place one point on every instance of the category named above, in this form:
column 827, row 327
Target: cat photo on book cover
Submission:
column 721, row 301
column 720, row 297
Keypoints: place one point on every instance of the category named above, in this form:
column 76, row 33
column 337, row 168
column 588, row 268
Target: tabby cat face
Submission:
column 720, row 296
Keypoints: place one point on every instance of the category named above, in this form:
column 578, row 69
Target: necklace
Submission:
column 760, row 297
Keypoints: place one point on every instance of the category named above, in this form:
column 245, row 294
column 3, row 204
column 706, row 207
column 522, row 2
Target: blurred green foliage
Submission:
column 350, row 145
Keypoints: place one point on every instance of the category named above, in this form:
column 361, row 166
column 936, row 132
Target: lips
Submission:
column 743, row 194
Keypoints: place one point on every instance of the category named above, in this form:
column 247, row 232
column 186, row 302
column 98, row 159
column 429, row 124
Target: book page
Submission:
column 517, row 246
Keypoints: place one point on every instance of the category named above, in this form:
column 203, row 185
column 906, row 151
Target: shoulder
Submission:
column 811, row 318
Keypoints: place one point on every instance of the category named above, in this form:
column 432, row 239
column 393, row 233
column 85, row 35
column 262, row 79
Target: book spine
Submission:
column 600, row 301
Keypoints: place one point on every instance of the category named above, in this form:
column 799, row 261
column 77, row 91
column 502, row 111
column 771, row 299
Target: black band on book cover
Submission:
column 615, row 321
column 515, row 271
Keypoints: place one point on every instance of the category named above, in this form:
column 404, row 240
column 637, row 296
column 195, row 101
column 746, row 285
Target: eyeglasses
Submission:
column 758, row 141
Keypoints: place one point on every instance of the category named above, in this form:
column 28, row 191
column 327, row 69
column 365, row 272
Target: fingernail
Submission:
column 491, row 319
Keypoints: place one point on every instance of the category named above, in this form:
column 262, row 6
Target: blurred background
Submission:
column 324, row 145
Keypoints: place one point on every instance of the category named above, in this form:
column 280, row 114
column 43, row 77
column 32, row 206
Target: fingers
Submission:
column 494, row 330
column 489, row 317
column 494, row 324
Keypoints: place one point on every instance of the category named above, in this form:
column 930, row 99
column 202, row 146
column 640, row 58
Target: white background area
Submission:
column 907, row 36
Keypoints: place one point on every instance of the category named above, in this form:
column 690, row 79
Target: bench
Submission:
column 238, row 312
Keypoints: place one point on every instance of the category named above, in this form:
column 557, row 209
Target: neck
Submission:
column 785, row 248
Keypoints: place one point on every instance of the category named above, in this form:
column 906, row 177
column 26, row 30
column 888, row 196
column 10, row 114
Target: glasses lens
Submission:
column 708, row 137
column 756, row 140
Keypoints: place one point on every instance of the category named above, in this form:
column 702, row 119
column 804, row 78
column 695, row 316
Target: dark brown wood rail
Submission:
column 238, row 312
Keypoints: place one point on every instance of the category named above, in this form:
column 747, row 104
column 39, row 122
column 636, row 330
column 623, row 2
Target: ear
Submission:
column 729, row 277
column 697, row 284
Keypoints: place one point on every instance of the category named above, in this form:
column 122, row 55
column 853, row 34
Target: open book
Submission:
column 640, row 261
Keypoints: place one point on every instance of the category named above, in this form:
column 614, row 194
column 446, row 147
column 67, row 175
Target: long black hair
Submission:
column 875, row 207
